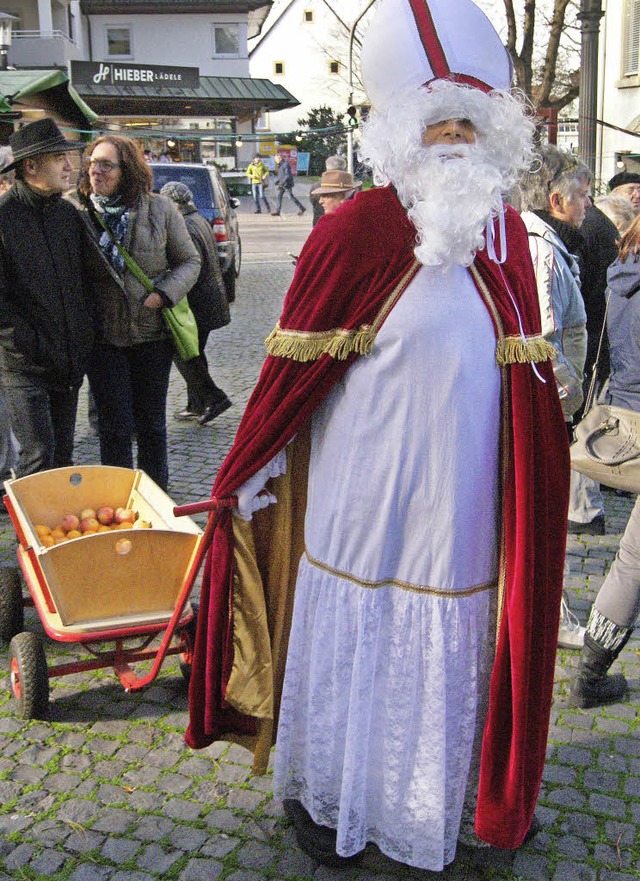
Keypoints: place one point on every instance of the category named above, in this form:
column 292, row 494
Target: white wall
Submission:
column 306, row 49
column 180, row 40
column 619, row 102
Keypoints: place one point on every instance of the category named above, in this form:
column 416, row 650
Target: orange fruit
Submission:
column 46, row 541
column 41, row 529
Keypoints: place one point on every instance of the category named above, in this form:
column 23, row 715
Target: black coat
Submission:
column 46, row 313
column 207, row 298
column 601, row 249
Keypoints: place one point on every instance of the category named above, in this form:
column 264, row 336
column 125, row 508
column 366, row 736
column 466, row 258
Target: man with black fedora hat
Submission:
column 46, row 325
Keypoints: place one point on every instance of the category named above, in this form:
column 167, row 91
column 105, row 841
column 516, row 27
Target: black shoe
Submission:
column 301, row 212
column 595, row 527
column 593, row 685
column 257, row 212
column 318, row 842
column 214, row 410
column 186, row 414
column 275, row 214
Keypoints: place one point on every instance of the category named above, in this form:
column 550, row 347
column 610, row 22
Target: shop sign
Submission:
column 108, row 73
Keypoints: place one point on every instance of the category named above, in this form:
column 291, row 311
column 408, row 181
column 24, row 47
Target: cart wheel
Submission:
column 29, row 676
column 188, row 633
column 11, row 604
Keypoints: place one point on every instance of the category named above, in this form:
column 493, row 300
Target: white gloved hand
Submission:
column 252, row 496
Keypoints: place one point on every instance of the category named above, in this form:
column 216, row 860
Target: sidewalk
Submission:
column 105, row 790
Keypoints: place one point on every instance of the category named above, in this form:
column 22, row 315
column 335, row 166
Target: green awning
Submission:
column 215, row 96
column 48, row 90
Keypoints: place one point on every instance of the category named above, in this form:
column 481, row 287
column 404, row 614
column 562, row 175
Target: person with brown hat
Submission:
column 335, row 187
column 385, row 593
column 46, row 322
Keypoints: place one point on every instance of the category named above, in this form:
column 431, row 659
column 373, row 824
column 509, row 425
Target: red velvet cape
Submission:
column 350, row 264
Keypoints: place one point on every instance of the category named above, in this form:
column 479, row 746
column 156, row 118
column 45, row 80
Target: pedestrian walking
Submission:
column 208, row 302
column 131, row 361
column 285, row 185
column 397, row 511
column 617, row 605
column 46, row 300
column 258, row 175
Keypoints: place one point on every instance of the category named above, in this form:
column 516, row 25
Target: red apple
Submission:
column 89, row 524
column 124, row 515
column 105, row 515
column 88, row 514
column 69, row 522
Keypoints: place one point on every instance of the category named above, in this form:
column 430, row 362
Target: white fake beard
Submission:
column 450, row 197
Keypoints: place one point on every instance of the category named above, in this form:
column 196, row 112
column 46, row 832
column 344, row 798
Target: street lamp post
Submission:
column 352, row 34
column 589, row 16
column 6, row 23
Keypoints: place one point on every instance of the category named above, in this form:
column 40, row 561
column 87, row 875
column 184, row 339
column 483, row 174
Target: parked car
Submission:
column 214, row 203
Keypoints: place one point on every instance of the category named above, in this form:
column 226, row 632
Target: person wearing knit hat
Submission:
column 626, row 184
column 210, row 307
column 395, row 555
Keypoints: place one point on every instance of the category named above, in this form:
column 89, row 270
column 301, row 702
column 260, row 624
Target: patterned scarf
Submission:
column 116, row 216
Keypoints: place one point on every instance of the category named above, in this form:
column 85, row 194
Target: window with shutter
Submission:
column 631, row 46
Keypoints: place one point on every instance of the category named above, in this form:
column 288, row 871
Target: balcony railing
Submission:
column 42, row 49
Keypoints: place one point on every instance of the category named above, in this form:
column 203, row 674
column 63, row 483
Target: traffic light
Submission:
column 351, row 113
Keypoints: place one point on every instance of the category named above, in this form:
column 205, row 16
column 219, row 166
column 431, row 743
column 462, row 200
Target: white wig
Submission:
column 502, row 123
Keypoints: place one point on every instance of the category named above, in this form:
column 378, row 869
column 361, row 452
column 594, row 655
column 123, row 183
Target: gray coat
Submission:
column 160, row 244
column 623, row 329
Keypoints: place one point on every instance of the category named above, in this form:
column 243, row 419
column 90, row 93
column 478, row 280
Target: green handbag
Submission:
column 179, row 319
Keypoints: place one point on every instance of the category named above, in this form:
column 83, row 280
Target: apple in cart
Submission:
column 105, row 515
column 124, row 515
column 89, row 524
column 70, row 522
column 88, row 514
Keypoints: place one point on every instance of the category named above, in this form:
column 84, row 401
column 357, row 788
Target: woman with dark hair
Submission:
column 129, row 370
column 617, row 605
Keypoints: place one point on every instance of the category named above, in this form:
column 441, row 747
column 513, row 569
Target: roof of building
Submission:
column 215, row 96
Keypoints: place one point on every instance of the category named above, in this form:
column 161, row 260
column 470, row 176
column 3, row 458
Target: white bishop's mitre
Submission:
column 410, row 43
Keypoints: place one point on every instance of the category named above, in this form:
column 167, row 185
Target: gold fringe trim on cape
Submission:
column 299, row 345
column 309, row 345
column 516, row 350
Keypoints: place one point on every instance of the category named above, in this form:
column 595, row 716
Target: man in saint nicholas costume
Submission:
column 384, row 596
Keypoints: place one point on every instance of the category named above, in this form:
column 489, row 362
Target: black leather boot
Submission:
column 591, row 685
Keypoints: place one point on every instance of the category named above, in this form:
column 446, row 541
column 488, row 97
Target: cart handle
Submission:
column 211, row 504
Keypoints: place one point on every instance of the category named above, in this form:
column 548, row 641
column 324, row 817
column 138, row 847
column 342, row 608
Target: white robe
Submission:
column 393, row 629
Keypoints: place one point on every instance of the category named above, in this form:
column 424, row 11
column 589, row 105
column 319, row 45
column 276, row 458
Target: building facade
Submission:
column 199, row 117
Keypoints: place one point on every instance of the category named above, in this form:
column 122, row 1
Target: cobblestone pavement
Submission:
column 106, row 789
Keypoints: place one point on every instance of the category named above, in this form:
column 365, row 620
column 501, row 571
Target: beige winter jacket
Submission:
column 158, row 241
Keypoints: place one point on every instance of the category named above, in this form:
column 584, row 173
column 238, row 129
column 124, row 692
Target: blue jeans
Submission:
column 43, row 420
column 130, row 388
column 281, row 191
column 257, row 191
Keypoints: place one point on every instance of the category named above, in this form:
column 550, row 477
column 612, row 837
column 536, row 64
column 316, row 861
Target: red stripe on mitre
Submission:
column 430, row 40
column 464, row 79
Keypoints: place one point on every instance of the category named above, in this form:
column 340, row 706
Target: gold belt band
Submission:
column 403, row 585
